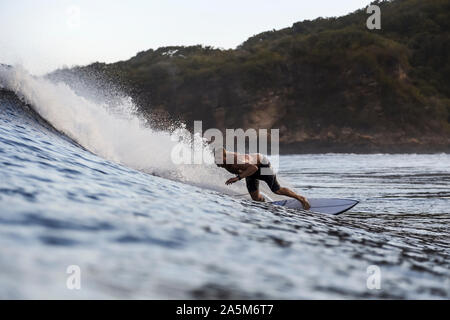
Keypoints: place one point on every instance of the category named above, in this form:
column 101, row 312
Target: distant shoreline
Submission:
column 321, row 148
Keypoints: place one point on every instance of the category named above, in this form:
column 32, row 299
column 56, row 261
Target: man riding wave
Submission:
column 253, row 167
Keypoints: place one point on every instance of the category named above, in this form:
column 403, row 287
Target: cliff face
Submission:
column 329, row 85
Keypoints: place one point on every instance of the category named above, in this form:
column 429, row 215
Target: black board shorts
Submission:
column 271, row 180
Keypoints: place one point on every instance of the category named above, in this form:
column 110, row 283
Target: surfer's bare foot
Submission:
column 290, row 193
column 304, row 202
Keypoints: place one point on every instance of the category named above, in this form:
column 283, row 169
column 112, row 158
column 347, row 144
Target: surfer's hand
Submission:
column 305, row 203
column 231, row 180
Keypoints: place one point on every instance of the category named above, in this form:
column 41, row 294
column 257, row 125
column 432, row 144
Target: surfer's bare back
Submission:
column 249, row 166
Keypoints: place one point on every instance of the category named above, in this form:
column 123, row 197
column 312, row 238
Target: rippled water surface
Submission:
column 135, row 235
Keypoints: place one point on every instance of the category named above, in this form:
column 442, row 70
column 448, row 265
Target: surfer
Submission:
column 253, row 167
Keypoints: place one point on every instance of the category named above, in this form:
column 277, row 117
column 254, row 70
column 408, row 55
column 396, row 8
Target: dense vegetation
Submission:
column 328, row 85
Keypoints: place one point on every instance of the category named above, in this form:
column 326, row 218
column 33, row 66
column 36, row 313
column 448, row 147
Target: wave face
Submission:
column 87, row 182
column 109, row 126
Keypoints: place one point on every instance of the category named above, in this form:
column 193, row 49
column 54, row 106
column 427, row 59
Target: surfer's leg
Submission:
column 289, row 193
column 271, row 181
column 274, row 185
column 253, row 189
column 256, row 196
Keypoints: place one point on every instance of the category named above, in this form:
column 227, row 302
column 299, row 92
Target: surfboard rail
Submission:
column 332, row 206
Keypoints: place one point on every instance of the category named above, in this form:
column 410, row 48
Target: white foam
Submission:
column 115, row 133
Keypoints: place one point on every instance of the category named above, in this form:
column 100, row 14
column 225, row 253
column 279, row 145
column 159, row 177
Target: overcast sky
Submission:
column 43, row 35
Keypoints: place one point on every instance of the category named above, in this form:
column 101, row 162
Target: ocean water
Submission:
column 86, row 182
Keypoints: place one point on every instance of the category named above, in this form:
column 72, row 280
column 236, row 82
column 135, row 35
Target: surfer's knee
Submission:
column 256, row 196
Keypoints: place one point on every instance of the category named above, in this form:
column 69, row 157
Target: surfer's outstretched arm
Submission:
column 246, row 171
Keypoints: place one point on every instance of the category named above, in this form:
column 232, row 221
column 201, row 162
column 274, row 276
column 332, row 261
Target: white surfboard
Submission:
column 320, row 205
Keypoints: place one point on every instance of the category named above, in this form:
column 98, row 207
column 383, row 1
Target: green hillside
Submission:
column 329, row 85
